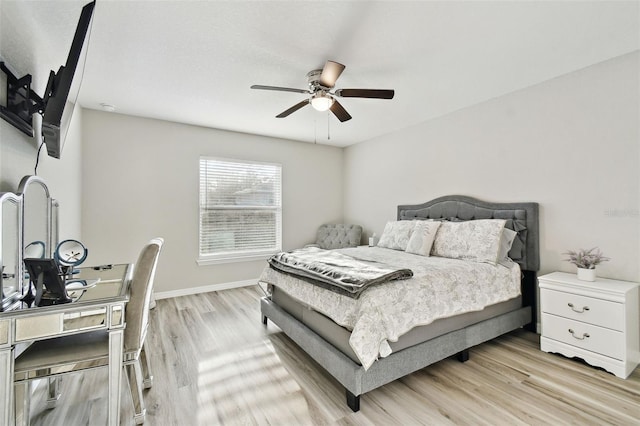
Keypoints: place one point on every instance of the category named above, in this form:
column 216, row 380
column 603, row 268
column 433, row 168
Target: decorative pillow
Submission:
column 396, row 234
column 506, row 241
column 421, row 239
column 477, row 240
column 516, row 252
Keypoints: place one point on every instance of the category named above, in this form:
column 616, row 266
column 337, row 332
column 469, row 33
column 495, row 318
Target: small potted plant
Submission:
column 586, row 261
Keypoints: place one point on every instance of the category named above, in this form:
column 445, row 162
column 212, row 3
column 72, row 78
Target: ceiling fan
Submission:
column 321, row 82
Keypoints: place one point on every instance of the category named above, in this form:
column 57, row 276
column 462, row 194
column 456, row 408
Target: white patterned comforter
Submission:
column 440, row 288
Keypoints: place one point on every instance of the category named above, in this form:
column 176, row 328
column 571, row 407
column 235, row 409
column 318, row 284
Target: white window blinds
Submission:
column 240, row 209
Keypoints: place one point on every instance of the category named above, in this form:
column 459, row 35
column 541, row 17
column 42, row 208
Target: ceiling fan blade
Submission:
column 339, row 111
column 280, row 89
column 365, row 93
column 330, row 73
column 293, row 109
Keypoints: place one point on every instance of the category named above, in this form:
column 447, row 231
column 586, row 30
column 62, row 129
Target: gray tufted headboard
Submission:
column 521, row 217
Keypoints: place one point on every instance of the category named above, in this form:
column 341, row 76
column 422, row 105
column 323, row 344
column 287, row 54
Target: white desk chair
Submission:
column 54, row 357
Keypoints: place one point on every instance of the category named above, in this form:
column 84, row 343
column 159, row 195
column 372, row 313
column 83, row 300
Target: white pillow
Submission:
column 421, row 239
column 477, row 240
column 396, row 234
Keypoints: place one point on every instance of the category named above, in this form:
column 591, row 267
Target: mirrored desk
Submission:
column 94, row 307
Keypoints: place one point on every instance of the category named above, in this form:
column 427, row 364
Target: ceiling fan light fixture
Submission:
column 321, row 102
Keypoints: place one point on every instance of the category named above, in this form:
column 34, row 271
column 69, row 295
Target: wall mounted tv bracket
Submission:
column 22, row 102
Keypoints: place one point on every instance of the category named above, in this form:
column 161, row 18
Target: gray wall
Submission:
column 141, row 181
column 571, row 144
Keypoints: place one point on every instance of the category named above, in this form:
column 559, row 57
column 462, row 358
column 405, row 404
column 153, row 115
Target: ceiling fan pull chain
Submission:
column 328, row 127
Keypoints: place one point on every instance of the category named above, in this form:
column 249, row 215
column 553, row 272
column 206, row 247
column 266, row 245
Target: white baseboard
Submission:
column 204, row 289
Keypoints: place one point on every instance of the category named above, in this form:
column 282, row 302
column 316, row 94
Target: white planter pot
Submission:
column 586, row 274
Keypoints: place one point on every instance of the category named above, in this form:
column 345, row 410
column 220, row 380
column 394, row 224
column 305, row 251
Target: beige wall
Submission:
column 141, row 181
column 571, row 144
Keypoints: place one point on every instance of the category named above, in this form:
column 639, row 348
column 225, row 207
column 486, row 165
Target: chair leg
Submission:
column 53, row 392
column 133, row 371
column 22, row 402
column 147, row 377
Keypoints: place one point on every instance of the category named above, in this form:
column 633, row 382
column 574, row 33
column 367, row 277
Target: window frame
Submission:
column 241, row 255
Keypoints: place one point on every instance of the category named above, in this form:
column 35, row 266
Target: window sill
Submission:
column 204, row 261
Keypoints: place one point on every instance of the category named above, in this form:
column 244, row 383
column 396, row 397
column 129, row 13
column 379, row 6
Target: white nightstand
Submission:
column 596, row 321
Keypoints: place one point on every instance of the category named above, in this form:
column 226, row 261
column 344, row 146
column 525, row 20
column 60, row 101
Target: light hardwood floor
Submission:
column 215, row 363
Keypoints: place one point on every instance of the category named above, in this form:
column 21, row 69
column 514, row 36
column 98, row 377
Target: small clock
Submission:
column 70, row 253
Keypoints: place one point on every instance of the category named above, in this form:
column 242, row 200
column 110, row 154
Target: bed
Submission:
column 330, row 342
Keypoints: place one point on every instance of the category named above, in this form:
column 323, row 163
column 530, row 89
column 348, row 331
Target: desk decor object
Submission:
column 49, row 277
column 48, row 281
column 596, row 321
column 586, row 261
column 70, row 253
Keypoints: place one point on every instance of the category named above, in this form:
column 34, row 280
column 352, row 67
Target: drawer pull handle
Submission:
column 584, row 308
column 584, row 335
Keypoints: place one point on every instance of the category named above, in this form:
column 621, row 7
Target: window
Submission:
column 240, row 210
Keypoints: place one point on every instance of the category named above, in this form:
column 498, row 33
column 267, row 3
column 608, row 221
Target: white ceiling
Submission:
column 193, row 61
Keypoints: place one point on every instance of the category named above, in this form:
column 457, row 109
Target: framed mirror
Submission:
column 36, row 219
column 11, row 250
column 36, row 216
column 55, row 228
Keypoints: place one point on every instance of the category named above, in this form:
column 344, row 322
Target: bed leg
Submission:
column 463, row 356
column 264, row 319
column 529, row 286
column 353, row 402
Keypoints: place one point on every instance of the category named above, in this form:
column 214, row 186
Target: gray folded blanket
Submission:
column 336, row 271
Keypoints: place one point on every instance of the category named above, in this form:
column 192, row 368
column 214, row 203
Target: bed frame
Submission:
column 521, row 217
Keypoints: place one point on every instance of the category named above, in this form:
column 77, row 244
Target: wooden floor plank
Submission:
column 214, row 363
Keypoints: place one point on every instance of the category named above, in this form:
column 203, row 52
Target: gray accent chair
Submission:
column 48, row 359
column 334, row 236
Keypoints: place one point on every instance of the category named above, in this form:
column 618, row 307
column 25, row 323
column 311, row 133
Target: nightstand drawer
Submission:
column 594, row 311
column 586, row 336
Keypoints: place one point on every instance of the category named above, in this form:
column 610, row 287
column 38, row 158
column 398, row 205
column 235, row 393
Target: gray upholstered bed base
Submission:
column 524, row 219
column 358, row 381
column 339, row 336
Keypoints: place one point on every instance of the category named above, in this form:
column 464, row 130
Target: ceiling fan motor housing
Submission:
column 313, row 77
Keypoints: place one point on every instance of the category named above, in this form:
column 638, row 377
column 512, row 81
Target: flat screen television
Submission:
column 63, row 88
column 58, row 102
